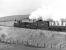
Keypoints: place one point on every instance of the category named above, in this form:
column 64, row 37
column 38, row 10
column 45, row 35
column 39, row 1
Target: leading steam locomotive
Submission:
column 43, row 25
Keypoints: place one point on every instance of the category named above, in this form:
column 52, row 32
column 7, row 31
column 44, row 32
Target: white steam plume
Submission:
column 55, row 11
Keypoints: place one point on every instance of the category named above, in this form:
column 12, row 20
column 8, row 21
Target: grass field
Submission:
column 37, row 38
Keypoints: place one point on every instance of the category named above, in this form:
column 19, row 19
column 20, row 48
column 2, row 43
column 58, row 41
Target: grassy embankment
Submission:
column 35, row 38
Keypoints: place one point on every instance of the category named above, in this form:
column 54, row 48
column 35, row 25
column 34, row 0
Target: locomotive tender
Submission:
column 43, row 25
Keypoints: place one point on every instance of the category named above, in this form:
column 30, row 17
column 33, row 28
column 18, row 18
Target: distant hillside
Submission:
column 11, row 18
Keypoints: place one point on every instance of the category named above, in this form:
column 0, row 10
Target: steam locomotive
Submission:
column 43, row 25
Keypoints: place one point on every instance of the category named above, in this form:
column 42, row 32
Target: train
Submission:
column 42, row 25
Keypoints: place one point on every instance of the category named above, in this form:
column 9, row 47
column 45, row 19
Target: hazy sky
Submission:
column 20, row 7
column 15, row 7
